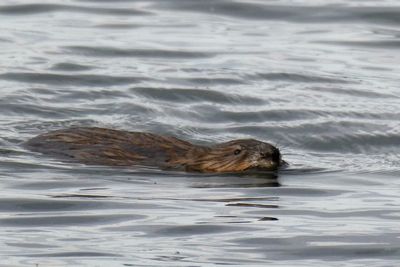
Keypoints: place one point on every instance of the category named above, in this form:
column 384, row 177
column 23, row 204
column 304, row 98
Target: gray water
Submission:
column 320, row 79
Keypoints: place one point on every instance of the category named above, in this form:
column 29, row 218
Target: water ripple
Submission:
column 57, row 220
column 31, row 9
column 389, row 44
column 62, row 79
column 151, row 53
column 42, row 205
column 294, row 77
column 194, row 96
column 72, row 254
column 71, row 67
column 292, row 13
column 355, row 143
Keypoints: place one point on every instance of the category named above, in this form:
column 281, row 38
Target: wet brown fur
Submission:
column 122, row 148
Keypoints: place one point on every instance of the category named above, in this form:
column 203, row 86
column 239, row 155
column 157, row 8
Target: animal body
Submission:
column 100, row 146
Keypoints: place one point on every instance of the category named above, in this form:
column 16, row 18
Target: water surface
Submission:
column 320, row 80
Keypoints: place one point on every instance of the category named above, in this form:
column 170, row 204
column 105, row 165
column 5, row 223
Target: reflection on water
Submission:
column 318, row 80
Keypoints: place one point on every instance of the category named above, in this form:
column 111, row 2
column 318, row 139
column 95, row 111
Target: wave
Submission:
column 32, row 9
column 63, row 79
column 119, row 52
column 293, row 13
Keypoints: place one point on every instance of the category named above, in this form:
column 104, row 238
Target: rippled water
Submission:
column 319, row 79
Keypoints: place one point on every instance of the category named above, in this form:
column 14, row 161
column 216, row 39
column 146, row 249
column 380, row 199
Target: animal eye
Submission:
column 237, row 151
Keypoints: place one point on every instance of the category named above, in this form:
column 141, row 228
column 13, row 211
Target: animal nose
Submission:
column 276, row 155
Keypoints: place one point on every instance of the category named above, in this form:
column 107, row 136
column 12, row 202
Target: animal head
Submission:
column 236, row 156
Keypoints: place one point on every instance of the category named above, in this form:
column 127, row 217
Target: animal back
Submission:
column 102, row 146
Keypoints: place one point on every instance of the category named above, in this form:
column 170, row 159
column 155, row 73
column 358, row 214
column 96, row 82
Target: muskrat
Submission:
column 100, row 146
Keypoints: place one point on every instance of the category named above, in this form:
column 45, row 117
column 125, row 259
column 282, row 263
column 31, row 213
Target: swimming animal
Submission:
column 101, row 146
